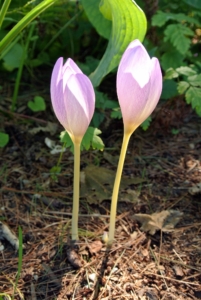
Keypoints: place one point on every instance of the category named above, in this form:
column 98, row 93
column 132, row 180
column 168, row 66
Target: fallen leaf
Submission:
column 164, row 220
column 97, row 184
column 95, row 247
column 51, row 128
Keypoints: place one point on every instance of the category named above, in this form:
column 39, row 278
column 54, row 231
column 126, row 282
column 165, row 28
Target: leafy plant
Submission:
column 90, row 139
column 38, row 104
column 4, row 139
column 189, row 84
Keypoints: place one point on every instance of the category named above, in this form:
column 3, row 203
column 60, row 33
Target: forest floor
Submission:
column 156, row 255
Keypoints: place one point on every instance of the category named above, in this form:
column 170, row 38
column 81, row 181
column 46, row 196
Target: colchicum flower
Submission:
column 73, row 101
column 139, row 86
column 73, row 98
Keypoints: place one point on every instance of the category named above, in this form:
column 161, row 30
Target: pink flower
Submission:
column 73, row 98
column 139, row 85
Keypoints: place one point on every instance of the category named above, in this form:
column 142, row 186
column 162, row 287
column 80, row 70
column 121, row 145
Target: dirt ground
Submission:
column 162, row 172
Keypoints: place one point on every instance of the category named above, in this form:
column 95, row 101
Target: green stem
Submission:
column 115, row 193
column 3, row 11
column 76, row 190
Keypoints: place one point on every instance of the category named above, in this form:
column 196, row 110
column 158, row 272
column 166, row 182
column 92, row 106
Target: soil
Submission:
column 139, row 265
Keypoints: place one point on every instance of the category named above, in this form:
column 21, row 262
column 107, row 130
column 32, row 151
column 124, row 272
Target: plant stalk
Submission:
column 76, row 191
column 115, row 193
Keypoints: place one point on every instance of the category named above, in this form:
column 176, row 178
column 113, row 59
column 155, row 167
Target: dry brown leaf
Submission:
column 164, row 220
column 97, row 184
column 95, row 247
column 50, row 127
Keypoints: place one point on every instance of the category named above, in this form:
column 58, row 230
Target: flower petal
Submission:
column 139, row 85
column 79, row 101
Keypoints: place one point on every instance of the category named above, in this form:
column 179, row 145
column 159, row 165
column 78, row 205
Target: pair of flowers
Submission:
column 139, row 86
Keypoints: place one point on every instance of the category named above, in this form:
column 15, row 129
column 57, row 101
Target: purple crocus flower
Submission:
column 139, row 85
column 73, row 98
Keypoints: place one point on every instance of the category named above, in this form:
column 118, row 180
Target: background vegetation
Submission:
column 65, row 29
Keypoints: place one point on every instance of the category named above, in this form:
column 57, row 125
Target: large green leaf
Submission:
column 128, row 23
column 102, row 25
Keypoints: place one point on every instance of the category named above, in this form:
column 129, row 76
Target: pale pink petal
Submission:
column 79, row 100
column 139, row 85
column 69, row 68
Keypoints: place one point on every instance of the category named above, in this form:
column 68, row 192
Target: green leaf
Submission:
column 90, row 139
column 145, row 125
column 103, row 102
column 102, row 26
column 195, row 80
column 171, row 59
column 116, row 113
column 128, row 23
column 160, row 18
column 4, row 139
column 193, row 3
column 193, row 96
column 12, row 58
column 175, row 131
column 178, row 34
column 182, row 87
column 65, row 138
column 171, row 73
column 38, row 104
column 169, row 89
column 186, row 71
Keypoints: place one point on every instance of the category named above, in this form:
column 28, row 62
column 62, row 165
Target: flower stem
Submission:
column 116, row 187
column 76, row 191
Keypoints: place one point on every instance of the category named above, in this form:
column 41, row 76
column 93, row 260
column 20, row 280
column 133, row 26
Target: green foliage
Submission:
column 169, row 89
column 189, row 84
column 13, row 57
column 30, row 16
column 38, row 104
column 176, row 31
column 54, row 172
column 4, row 139
column 177, row 26
column 180, row 36
column 101, row 24
column 116, row 113
column 145, row 125
column 90, row 139
column 193, row 3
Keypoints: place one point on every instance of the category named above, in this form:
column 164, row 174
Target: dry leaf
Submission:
column 51, row 128
column 95, row 247
column 164, row 220
column 97, row 184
